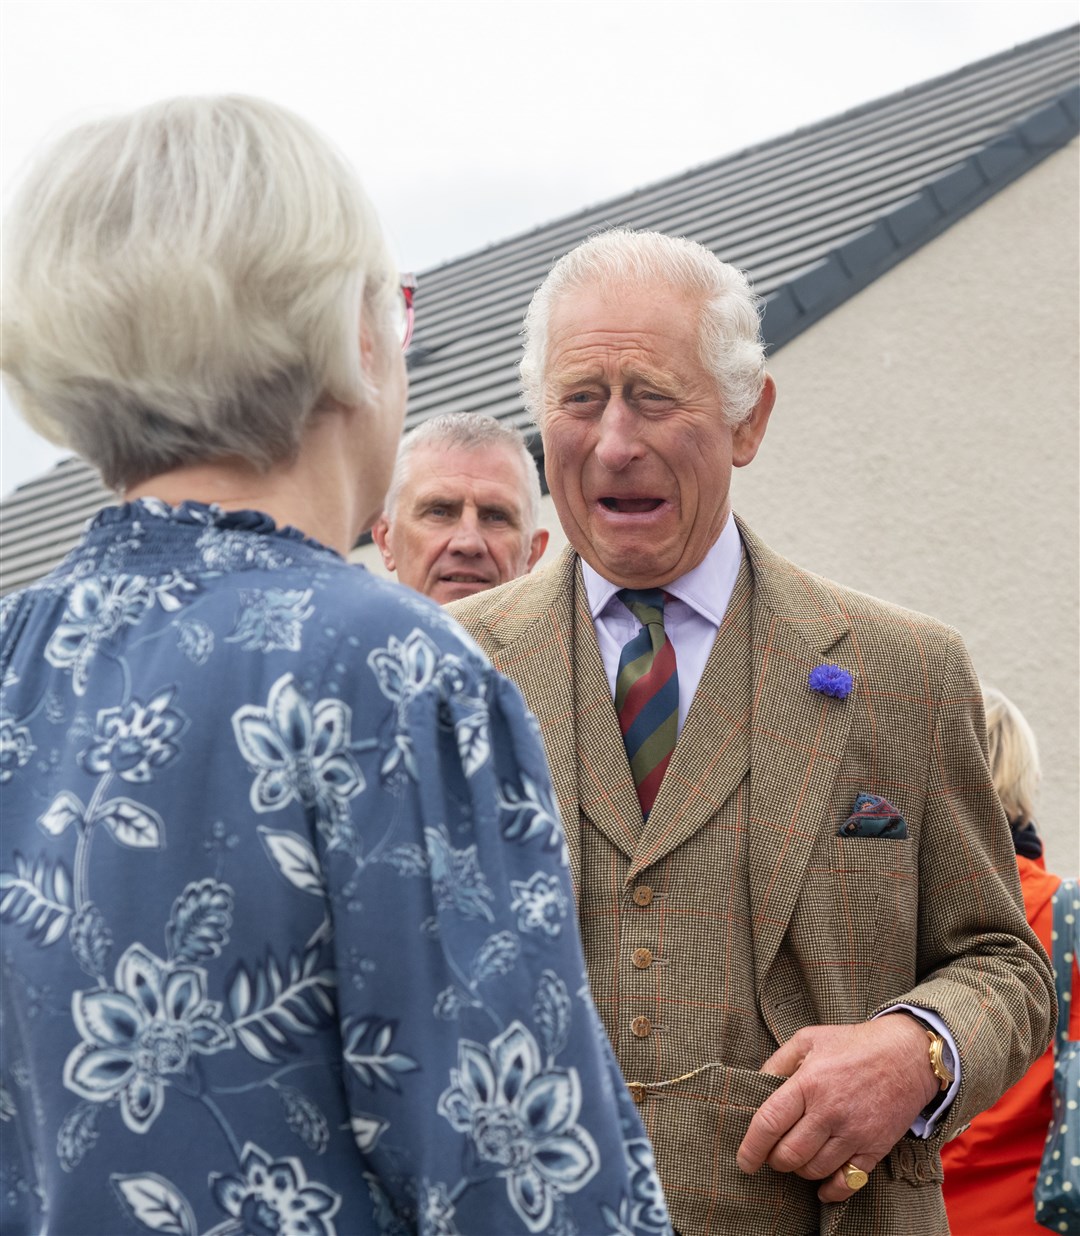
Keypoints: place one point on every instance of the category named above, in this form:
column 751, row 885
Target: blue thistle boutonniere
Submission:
column 831, row 680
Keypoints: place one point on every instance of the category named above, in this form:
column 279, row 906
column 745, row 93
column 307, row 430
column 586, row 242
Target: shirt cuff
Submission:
column 924, row 1125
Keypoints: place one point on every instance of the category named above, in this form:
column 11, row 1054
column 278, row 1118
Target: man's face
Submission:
column 637, row 453
column 459, row 525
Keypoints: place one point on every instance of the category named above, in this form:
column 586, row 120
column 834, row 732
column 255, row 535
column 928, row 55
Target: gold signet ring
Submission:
column 854, row 1177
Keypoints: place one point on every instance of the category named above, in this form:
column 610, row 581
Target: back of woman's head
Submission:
column 186, row 283
column 1014, row 757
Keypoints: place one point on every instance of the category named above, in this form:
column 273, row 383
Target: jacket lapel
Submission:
column 605, row 783
column 798, row 736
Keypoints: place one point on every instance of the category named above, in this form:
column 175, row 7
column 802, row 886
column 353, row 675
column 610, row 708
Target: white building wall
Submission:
column 924, row 448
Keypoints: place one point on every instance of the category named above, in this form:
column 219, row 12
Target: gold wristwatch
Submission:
column 938, row 1051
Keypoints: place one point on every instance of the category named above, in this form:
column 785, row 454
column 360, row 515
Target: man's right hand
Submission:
column 852, row 1093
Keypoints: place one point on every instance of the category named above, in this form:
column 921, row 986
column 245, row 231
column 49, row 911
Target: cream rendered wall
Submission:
column 924, row 449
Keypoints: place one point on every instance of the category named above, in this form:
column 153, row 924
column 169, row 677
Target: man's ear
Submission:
column 379, row 530
column 747, row 436
column 536, row 548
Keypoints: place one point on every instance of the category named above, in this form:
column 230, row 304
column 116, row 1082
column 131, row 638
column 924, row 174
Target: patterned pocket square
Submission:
column 874, row 816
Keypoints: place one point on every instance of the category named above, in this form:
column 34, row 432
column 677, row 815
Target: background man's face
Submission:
column 637, row 453
column 459, row 525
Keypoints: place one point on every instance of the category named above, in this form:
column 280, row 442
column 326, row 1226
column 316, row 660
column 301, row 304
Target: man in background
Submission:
column 789, row 857
column 462, row 511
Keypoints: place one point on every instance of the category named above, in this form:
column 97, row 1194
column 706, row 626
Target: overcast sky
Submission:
column 472, row 120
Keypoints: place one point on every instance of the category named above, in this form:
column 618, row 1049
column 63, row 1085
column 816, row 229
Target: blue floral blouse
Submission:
column 289, row 944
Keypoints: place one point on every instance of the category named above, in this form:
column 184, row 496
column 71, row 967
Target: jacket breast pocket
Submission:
column 875, row 913
column 853, row 932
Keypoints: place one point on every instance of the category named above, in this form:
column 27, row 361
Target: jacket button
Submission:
column 637, row 1092
column 642, row 958
column 643, row 895
column 642, row 1027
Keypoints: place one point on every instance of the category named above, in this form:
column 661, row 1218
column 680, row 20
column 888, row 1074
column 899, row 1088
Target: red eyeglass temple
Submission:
column 408, row 291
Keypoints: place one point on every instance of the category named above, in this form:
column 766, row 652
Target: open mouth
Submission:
column 632, row 506
column 459, row 578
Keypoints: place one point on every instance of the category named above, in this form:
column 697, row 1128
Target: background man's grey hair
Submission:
column 186, row 281
column 730, row 332
column 468, row 431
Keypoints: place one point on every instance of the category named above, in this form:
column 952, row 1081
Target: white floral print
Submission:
column 530, row 813
column 271, row 619
column 406, row 668
column 224, row 550
column 195, row 640
column 540, row 903
column 140, row 1033
column 95, row 612
column 522, row 1117
column 275, row 1197
column 15, row 748
column 298, row 752
column 135, row 740
column 436, row 1211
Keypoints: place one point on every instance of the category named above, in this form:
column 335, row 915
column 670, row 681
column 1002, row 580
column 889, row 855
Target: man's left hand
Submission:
column 852, row 1093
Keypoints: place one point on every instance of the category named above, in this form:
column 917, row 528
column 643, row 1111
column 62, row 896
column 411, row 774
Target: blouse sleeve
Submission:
column 483, row 1092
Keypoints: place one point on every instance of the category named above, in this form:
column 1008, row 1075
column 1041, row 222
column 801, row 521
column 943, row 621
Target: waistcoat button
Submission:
column 642, row 1027
column 637, row 1093
column 643, row 895
column 642, row 958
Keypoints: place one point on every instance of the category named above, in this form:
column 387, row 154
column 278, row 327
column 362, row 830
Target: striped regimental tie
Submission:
column 647, row 694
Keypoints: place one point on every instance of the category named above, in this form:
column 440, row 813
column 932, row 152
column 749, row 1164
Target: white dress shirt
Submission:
column 693, row 613
column 692, row 616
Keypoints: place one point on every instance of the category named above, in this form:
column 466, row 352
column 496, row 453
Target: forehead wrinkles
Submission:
column 484, row 492
column 599, row 353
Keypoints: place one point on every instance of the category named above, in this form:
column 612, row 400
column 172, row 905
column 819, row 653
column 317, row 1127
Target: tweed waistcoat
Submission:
column 670, row 1010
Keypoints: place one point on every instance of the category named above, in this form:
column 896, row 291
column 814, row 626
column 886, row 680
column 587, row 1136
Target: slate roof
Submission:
column 813, row 216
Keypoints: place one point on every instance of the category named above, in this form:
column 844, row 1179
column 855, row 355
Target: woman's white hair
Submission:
column 730, row 330
column 186, row 283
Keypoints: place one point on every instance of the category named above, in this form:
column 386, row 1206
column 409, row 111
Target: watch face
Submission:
column 938, row 1049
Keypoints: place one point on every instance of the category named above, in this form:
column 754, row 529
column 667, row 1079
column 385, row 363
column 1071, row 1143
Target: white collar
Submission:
column 706, row 588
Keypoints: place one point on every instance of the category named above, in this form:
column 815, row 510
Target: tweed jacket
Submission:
column 839, row 928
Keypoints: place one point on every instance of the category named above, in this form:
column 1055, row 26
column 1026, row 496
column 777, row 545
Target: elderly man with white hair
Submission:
column 462, row 510
column 795, row 884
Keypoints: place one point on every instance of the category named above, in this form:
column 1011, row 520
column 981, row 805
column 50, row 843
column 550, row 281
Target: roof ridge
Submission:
column 861, row 109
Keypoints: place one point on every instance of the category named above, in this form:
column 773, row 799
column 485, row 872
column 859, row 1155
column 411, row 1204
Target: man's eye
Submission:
column 584, row 403
column 496, row 517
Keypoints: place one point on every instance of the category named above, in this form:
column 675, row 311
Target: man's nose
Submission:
column 618, row 442
column 467, row 537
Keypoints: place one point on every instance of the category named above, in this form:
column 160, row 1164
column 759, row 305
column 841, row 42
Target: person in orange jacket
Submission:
column 990, row 1169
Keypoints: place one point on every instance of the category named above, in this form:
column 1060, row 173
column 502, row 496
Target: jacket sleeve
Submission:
column 984, row 971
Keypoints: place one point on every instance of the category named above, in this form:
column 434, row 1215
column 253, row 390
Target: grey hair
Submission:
column 730, row 342
column 1013, row 756
column 186, row 282
column 467, row 431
